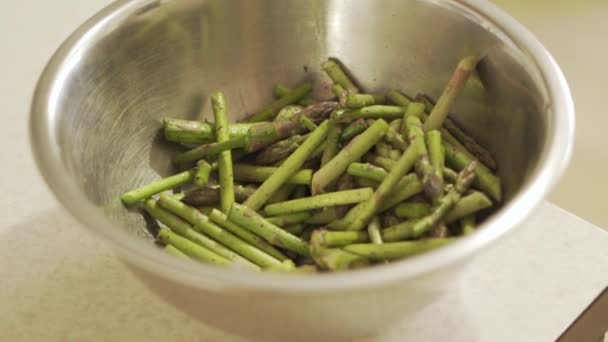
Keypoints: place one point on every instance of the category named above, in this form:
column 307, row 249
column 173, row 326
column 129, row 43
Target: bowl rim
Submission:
column 555, row 157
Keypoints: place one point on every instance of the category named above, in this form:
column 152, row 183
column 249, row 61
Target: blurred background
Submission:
column 574, row 31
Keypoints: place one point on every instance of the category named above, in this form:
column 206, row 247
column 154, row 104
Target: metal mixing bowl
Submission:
column 95, row 132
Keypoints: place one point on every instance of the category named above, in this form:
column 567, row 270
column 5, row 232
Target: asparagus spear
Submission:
column 164, row 184
column 287, row 112
column 433, row 185
column 417, row 109
column 354, row 128
column 279, row 150
column 451, row 92
column 307, row 123
column 281, row 90
column 262, row 135
column 386, row 163
column 370, row 207
column 209, row 196
column 412, row 210
column 209, row 150
column 187, row 231
column 407, row 187
column 196, row 132
column 485, row 180
column 203, row 169
column 467, row 205
column 205, row 226
column 395, row 250
column 367, row 170
column 436, row 153
column 363, row 100
column 415, row 229
column 189, row 249
column 333, row 139
column 289, row 219
column 373, row 231
column 340, row 93
column 319, row 201
column 337, row 74
column 373, row 112
column 350, row 153
column 324, row 216
column 468, row 224
column 174, row 251
column 224, row 160
column 453, row 131
column 327, row 238
column 222, row 220
column 259, row 174
column 395, row 139
column 269, row 112
column 246, row 217
column 336, row 259
column 288, row 168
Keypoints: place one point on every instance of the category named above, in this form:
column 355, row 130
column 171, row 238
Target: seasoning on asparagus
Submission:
column 197, row 132
column 433, row 184
column 288, row 168
column 384, row 112
column 185, row 230
column 287, row 112
column 415, row 229
column 332, row 146
column 363, row 100
column 485, row 180
column 189, row 249
column 289, row 219
column 224, row 160
column 279, row 150
column 350, row 153
column 248, row 218
column 319, row 201
column 262, row 135
column 353, row 129
column 211, row 195
column 202, row 223
column 222, row 220
column 328, row 238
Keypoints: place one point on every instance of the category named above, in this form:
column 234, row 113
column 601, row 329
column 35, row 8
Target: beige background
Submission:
column 576, row 33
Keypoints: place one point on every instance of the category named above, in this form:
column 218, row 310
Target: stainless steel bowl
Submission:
column 95, row 132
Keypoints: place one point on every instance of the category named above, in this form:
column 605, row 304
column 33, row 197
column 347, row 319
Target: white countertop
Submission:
column 59, row 283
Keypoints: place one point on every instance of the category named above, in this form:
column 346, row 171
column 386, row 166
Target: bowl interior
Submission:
column 162, row 59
